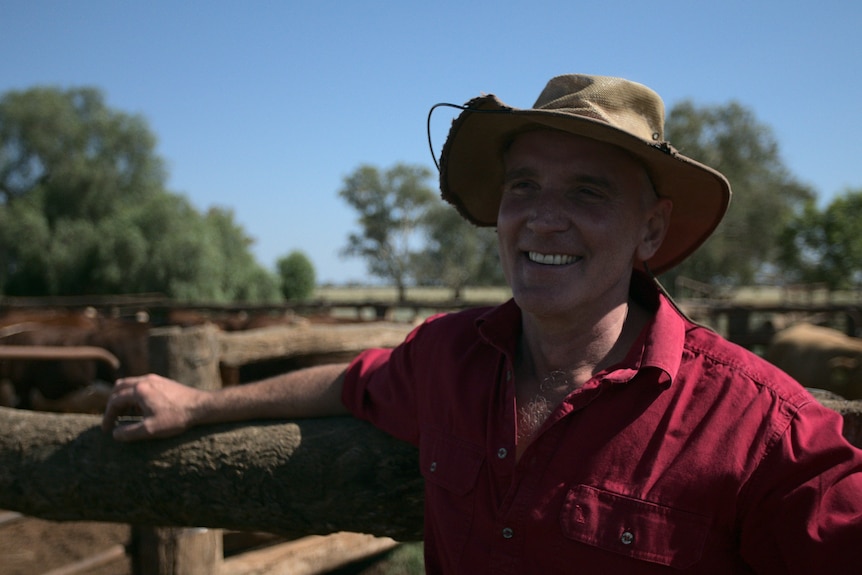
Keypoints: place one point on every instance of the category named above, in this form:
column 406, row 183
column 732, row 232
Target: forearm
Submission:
column 310, row 392
column 166, row 407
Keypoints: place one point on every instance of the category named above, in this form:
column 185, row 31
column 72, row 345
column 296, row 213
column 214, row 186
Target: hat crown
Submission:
column 617, row 102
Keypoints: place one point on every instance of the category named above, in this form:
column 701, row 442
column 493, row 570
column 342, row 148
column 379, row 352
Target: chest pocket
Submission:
column 634, row 528
column 449, row 462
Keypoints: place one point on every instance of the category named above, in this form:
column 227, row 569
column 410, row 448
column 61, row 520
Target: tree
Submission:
column 79, row 156
column 391, row 206
column 457, row 253
column 241, row 277
column 765, row 195
column 825, row 246
column 297, row 276
column 84, row 209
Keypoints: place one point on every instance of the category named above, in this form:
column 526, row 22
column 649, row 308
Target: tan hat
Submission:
column 611, row 110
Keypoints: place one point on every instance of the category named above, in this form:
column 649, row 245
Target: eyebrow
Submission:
column 597, row 181
column 518, row 173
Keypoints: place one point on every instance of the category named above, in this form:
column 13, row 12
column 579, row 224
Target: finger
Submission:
column 125, row 382
column 130, row 431
column 120, row 401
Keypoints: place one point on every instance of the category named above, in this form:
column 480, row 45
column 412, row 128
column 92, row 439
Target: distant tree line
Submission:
column 84, row 210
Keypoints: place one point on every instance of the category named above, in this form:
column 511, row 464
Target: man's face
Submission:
column 575, row 214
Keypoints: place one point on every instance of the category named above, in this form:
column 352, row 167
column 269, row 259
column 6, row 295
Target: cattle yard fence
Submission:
column 202, row 356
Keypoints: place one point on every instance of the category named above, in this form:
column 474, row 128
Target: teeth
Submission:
column 550, row 259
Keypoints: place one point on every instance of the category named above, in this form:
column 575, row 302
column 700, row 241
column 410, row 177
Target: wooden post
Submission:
column 738, row 328
column 191, row 356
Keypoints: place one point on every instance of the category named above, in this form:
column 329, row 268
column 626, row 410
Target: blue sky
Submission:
column 264, row 107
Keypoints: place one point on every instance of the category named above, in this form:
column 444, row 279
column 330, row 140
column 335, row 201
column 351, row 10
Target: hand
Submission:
column 165, row 408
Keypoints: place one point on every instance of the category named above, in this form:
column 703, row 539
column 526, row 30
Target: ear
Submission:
column 655, row 228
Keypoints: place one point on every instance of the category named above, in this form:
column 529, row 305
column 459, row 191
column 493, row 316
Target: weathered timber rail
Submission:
column 313, row 476
column 241, row 347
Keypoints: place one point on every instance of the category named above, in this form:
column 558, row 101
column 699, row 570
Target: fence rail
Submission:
column 193, row 355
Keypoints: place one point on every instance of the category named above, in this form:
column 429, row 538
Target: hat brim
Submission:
column 471, row 172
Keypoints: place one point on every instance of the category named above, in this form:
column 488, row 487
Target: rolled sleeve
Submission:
column 380, row 387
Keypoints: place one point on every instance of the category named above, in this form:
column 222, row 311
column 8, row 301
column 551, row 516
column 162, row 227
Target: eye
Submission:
column 588, row 194
column 520, row 186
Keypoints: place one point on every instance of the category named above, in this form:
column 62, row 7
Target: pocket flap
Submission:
column 635, row 528
column 449, row 462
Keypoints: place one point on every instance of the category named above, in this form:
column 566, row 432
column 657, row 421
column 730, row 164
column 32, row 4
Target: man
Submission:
column 585, row 426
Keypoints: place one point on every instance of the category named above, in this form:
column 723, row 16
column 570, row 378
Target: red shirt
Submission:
column 692, row 455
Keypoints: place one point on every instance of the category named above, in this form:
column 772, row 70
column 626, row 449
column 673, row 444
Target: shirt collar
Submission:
column 660, row 345
column 658, row 349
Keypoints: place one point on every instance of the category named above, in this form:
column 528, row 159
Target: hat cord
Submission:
column 428, row 127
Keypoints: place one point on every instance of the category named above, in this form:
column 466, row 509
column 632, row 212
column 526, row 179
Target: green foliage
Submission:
column 765, row 195
column 81, row 157
column 84, row 210
column 406, row 559
column 391, row 205
column 297, row 276
column 240, row 276
column 825, row 246
column 457, row 254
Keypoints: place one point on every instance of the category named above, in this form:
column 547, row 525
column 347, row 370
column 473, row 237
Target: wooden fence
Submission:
column 199, row 357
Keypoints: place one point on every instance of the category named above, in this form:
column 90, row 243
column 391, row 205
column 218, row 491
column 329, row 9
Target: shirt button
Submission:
column 508, row 533
column 433, row 467
column 627, row 538
column 502, row 453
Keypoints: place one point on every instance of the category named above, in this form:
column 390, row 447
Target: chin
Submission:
column 541, row 302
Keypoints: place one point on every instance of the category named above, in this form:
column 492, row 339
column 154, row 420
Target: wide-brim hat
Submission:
column 611, row 110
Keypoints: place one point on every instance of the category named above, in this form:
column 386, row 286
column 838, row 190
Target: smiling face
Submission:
column 575, row 215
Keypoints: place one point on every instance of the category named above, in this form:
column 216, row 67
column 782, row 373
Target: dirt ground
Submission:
column 30, row 546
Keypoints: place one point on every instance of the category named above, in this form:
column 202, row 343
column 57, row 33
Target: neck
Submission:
column 573, row 352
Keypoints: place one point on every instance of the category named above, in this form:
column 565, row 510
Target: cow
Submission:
column 45, row 381
column 8, row 397
column 819, row 357
column 91, row 398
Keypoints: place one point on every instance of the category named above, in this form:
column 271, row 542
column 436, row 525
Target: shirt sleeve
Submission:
column 380, row 387
column 805, row 500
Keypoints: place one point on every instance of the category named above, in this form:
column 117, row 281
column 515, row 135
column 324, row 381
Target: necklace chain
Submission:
column 554, row 381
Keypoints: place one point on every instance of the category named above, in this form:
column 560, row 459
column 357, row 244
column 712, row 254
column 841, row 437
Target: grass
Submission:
column 344, row 300
column 422, row 294
column 406, row 559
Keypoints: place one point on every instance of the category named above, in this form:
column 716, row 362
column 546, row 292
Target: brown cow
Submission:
column 819, row 357
column 90, row 399
column 53, row 379
column 8, row 398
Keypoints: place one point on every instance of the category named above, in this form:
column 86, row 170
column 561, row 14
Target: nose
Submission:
column 548, row 214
